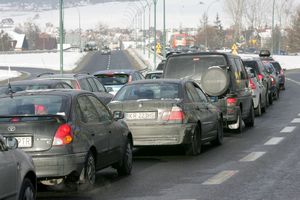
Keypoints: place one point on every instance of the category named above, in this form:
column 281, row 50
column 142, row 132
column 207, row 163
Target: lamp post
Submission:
column 273, row 16
column 164, row 29
column 154, row 57
column 61, row 35
column 79, row 21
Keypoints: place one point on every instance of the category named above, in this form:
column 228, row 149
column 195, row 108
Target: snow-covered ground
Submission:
column 5, row 74
column 41, row 60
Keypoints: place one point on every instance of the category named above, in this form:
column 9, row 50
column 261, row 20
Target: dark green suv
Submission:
column 224, row 79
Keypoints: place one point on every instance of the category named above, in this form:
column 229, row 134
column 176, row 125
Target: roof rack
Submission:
column 46, row 73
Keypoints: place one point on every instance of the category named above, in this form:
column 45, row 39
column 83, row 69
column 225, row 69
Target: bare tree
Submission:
column 284, row 10
column 236, row 10
column 254, row 15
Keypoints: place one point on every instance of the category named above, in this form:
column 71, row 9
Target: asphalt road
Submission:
column 261, row 163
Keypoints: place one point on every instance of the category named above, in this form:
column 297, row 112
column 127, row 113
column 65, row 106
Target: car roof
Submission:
column 250, row 58
column 203, row 53
column 65, row 92
column 116, row 71
column 145, row 81
column 36, row 81
column 63, row 76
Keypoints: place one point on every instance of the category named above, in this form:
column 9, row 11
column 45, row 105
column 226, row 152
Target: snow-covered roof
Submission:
column 18, row 37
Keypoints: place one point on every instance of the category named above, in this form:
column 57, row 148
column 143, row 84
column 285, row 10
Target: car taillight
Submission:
column 15, row 119
column 260, row 77
column 63, row 135
column 130, row 79
column 231, row 101
column 252, row 85
column 176, row 114
column 273, row 80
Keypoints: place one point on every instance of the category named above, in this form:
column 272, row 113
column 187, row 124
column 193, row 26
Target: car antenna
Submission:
column 10, row 90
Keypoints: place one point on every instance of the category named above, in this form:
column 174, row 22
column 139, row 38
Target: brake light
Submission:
column 130, row 79
column 231, row 101
column 252, row 85
column 260, row 77
column 273, row 80
column 63, row 135
column 15, row 119
column 176, row 114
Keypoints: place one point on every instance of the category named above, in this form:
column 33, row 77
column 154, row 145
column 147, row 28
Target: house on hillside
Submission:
column 46, row 42
column 18, row 41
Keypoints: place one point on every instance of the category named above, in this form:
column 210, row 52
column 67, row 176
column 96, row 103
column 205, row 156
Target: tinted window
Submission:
column 113, row 79
column 252, row 64
column 201, row 94
column 101, row 109
column 277, row 66
column 148, row 91
column 100, row 87
column 242, row 68
column 34, row 105
column 84, row 85
column 186, row 66
column 92, row 84
column 67, row 86
column 192, row 92
column 87, row 110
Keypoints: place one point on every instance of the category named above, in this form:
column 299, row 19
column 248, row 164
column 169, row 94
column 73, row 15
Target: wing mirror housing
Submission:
column 117, row 115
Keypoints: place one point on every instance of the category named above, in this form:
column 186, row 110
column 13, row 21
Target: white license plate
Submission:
column 24, row 142
column 141, row 115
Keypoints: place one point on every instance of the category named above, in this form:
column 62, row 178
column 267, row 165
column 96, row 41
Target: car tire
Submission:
column 28, row 191
column 249, row 122
column 87, row 177
column 125, row 166
column 258, row 110
column 194, row 148
column 220, row 134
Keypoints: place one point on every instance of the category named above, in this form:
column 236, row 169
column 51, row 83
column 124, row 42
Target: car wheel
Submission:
column 249, row 122
column 258, row 110
column 28, row 191
column 88, row 174
column 126, row 164
column 220, row 134
column 194, row 148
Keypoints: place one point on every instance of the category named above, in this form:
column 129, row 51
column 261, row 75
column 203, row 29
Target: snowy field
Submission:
column 41, row 60
column 5, row 74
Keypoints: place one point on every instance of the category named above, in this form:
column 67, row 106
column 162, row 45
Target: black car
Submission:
column 223, row 77
column 18, row 86
column 81, row 82
column 169, row 112
column 70, row 134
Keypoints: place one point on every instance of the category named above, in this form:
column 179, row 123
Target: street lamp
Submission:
column 154, row 58
column 79, row 21
column 61, row 35
column 273, row 15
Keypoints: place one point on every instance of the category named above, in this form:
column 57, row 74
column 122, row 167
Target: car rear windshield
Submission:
column 252, row 64
column 159, row 91
column 277, row 66
column 34, row 105
column 186, row 66
column 113, row 79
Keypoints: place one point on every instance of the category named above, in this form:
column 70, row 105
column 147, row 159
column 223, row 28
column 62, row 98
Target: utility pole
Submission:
column 154, row 58
column 273, row 18
column 61, row 36
column 164, row 29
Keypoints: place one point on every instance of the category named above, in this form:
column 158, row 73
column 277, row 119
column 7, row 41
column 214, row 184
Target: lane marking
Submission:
column 296, row 120
column 252, row 156
column 288, row 129
column 274, row 141
column 220, row 177
column 293, row 81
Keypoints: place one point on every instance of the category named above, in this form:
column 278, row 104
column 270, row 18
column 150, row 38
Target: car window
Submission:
column 201, row 95
column 193, row 95
column 100, row 87
column 92, row 84
column 240, row 73
column 87, row 111
column 84, row 85
column 101, row 109
column 2, row 146
column 67, row 86
column 59, row 86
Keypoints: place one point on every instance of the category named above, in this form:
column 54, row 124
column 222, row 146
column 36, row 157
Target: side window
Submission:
column 101, row 109
column 59, row 86
column 192, row 93
column 86, row 110
column 67, row 86
column 202, row 95
column 135, row 76
column 84, row 85
column 241, row 68
column 236, row 71
column 100, row 87
column 92, row 84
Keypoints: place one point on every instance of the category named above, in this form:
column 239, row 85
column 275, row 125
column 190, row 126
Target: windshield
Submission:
column 113, row 79
column 34, row 105
column 186, row 66
column 148, row 91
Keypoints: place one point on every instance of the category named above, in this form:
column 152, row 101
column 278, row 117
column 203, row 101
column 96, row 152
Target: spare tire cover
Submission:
column 215, row 81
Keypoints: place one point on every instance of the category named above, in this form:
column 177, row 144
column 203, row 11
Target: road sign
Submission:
column 158, row 48
column 234, row 49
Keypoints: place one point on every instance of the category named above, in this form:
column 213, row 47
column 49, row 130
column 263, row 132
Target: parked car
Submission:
column 81, row 82
column 17, row 172
column 18, row 86
column 105, row 50
column 70, row 134
column 154, row 74
column 275, row 87
column 257, row 65
column 258, row 91
column 113, row 80
column 280, row 72
column 169, row 112
column 223, row 77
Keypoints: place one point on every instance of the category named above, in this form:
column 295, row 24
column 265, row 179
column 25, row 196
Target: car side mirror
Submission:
column 12, row 143
column 118, row 115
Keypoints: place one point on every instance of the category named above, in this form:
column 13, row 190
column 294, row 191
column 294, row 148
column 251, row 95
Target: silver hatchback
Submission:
column 17, row 173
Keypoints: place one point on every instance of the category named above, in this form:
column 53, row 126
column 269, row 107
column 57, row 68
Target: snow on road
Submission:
column 5, row 74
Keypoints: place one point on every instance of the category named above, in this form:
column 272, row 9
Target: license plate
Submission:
column 24, row 142
column 141, row 115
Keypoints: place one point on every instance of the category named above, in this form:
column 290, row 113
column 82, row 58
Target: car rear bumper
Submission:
column 168, row 134
column 55, row 166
